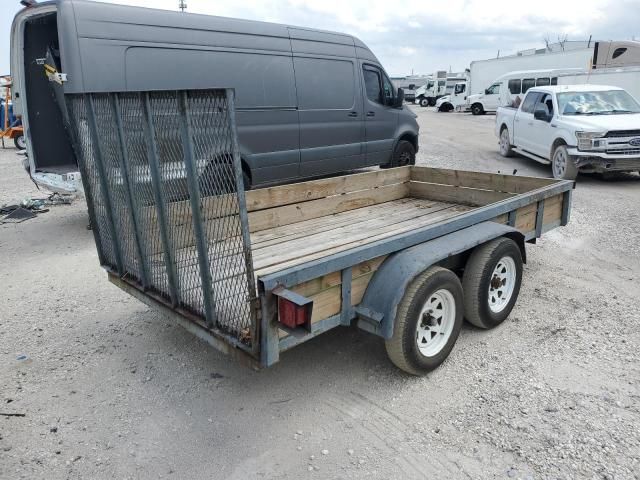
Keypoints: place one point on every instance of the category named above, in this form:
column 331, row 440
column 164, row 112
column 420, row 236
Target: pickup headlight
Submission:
column 590, row 140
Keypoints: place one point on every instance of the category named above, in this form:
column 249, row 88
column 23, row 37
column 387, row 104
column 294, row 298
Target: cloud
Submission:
column 419, row 36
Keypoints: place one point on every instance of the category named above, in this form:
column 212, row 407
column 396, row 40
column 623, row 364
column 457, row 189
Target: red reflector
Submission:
column 294, row 311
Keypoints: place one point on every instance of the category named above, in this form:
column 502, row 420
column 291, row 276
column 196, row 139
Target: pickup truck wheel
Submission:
column 491, row 282
column 563, row 165
column 505, row 143
column 427, row 322
column 477, row 109
column 424, row 102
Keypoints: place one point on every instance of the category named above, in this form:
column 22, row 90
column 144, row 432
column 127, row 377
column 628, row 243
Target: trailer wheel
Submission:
column 505, row 143
column 477, row 109
column 20, row 142
column 427, row 322
column 424, row 102
column 491, row 282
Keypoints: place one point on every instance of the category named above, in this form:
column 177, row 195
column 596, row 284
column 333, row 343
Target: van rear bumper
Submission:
column 65, row 184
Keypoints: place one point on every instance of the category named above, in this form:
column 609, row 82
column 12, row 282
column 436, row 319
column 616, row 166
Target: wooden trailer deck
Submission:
column 294, row 224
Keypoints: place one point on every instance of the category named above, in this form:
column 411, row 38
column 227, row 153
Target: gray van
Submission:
column 308, row 102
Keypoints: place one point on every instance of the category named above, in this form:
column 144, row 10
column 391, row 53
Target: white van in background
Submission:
column 507, row 88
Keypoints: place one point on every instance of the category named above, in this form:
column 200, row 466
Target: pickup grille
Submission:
column 626, row 151
column 623, row 133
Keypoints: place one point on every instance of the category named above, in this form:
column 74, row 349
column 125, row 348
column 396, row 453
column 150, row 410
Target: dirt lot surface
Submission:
column 112, row 389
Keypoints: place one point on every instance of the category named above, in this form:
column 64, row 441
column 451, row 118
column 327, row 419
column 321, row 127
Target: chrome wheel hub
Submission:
column 436, row 322
column 502, row 284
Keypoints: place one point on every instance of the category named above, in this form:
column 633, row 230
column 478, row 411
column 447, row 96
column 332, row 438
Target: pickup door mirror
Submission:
column 399, row 100
column 541, row 113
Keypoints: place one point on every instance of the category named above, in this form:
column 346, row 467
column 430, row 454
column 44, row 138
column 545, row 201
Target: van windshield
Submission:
column 610, row 102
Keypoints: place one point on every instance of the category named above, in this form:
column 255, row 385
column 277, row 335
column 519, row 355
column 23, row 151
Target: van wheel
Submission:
column 477, row 109
column 563, row 165
column 403, row 155
column 491, row 282
column 20, row 142
column 427, row 322
column 424, row 102
column 505, row 143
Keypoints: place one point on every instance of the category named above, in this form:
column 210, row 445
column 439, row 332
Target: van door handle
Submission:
column 371, row 114
column 353, row 114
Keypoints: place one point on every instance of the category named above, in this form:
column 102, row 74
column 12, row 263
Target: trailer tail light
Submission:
column 294, row 310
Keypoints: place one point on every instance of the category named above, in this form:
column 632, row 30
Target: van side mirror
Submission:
column 399, row 101
column 540, row 113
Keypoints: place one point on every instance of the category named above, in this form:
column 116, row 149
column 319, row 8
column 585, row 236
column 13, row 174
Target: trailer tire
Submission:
column 20, row 142
column 421, row 341
column 477, row 109
column 424, row 102
column 491, row 282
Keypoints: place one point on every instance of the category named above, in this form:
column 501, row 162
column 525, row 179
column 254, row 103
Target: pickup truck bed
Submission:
column 256, row 273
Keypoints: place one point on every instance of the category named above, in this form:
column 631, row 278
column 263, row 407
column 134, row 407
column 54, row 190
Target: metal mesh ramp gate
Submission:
column 164, row 188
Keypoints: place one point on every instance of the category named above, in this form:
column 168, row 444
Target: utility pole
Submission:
column 182, row 5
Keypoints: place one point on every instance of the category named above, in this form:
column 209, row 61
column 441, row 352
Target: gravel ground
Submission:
column 112, row 389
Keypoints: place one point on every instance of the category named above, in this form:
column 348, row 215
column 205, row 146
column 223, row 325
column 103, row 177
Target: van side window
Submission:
column 618, row 51
column 373, row 84
column 529, row 102
column 493, row 89
column 388, row 90
column 316, row 79
column 515, row 86
column 542, row 82
column 554, row 81
column 528, row 83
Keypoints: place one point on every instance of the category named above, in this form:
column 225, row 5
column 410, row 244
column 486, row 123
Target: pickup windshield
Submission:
column 610, row 102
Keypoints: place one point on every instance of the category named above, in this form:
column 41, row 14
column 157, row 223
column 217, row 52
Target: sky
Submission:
column 421, row 36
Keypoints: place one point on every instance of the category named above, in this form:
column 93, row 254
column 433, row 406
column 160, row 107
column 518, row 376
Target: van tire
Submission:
column 477, row 109
column 403, row 347
column 481, row 308
column 424, row 102
column 403, row 155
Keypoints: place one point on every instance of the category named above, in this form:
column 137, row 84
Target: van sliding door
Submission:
column 330, row 112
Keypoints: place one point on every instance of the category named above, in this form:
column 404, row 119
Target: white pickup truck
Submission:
column 575, row 128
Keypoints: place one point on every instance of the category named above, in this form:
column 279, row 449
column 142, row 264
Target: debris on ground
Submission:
column 30, row 207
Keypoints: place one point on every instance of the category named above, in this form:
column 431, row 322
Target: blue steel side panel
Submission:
column 399, row 269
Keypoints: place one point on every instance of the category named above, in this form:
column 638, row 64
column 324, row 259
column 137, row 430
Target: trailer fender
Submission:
column 377, row 310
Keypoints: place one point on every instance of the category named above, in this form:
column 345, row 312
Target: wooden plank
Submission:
column 314, row 244
column 288, row 214
column 460, row 195
column 480, row 180
column 451, row 212
column 552, row 210
column 317, row 285
column 338, row 220
column 264, row 198
column 369, row 222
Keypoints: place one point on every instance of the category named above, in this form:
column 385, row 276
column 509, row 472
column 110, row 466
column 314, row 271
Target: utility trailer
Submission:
column 403, row 253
